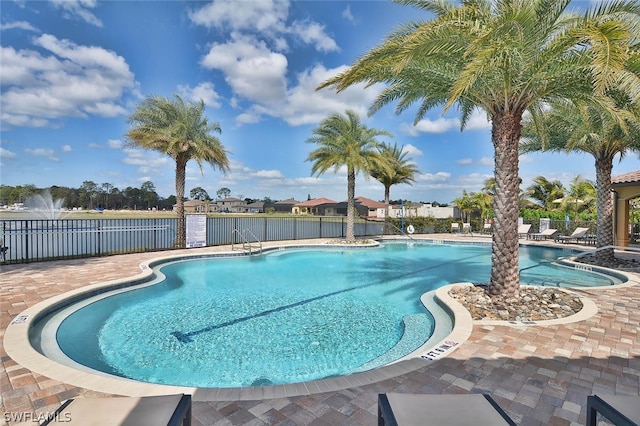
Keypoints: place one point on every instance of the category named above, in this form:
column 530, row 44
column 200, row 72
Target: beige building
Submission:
column 625, row 188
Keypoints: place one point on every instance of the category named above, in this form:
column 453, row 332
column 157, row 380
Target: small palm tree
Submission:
column 345, row 141
column 506, row 58
column 467, row 203
column 401, row 170
column 587, row 127
column 545, row 192
column 180, row 130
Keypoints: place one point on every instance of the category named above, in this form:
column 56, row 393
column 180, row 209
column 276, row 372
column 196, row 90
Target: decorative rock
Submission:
column 532, row 303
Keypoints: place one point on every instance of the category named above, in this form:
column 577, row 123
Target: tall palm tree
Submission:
column 587, row 127
column 344, row 141
column 401, row 170
column 506, row 58
column 180, row 130
column 545, row 191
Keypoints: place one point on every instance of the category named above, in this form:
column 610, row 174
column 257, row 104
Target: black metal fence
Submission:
column 34, row 240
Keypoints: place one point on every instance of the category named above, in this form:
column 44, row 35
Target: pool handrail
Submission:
column 245, row 242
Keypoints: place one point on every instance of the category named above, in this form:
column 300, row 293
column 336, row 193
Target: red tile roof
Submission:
column 631, row 177
column 315, row 202
column 369, row 203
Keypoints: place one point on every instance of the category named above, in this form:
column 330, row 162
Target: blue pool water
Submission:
column 284, row 317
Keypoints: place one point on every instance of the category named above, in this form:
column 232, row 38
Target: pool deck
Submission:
column 540, row 375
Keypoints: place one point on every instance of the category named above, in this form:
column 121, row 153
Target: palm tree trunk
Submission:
column 505, row 134
column 604, row 231
column 351, row 189
column 181, row 233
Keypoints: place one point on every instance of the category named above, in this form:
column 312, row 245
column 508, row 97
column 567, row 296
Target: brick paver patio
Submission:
column 540, row 375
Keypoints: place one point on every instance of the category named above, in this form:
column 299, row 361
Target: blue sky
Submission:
column 72, row 70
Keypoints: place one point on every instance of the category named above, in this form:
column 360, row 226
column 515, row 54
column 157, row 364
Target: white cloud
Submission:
column 204, row 91
column 268, row 18
column 22, row 25
column 412, row 151
column 305, row 105
column 486, row 161
column 250, row 68
column 148, row 162
column 66, row 148
column 472, row 182
column 79, row 9
column 42, row 152
column 268, row 174
column 438, row 177
column 478, row 121
column 346, row 14
column 5, row 153
column 464, row 161
column 439, row 125
column 525, row 159
column 313, row 33
column 73, row 81
column 114, row 143
column 263, row 16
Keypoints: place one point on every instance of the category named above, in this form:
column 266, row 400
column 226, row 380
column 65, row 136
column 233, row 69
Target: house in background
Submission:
column 284, row 206
column 316, row 207
column 232, row 205
column 255, row 207
column 199, row 206
column 423, row 210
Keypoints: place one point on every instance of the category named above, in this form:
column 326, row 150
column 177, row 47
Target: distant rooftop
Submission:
column 626, row 179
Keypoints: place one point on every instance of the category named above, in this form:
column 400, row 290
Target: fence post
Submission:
column 295, row 229
column 26, row 240
column 99, row 238
column 266, row 228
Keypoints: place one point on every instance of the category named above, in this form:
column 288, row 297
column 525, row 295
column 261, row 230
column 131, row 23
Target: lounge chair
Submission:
column 542, row 235
column 414, row 409
column 487, row 228
column 620, row 409
column 466, row 228
column 455, row 227
column 577, row 235
column 523, row 230
column 150, row 410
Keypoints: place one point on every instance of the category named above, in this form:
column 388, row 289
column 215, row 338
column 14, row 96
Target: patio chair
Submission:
column 455, row 227
column 620, row 409
column 487, row 228
column 542, row 235
column 414, row 409
column 523, row 230
column 466, row 228
column 150, row 410
column 577, row 235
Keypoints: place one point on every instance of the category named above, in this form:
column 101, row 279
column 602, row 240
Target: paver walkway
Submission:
column 540, row 375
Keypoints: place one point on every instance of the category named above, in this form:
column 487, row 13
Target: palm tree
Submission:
column 506, row 58
column 587, row 127
column 466, row 203
column 545, row 191
column 180, row 130
column 345, row 141
column 400, row 170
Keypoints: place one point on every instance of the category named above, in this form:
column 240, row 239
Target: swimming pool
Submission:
column 287, row 316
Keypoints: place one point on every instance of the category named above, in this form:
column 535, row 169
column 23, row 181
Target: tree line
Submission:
column 543, row 198
column 91, row 195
